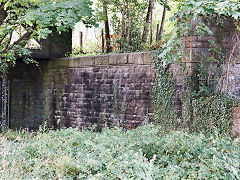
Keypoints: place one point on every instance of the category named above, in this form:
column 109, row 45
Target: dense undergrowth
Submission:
column 143, row 153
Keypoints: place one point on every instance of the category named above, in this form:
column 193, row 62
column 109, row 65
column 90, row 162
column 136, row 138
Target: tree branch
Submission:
column 22, row 38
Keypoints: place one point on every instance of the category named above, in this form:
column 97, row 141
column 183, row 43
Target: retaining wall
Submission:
column 113, row 90
column 108, row 90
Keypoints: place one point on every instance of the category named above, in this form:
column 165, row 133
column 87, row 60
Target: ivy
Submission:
column 204, row 105
column 163, row 100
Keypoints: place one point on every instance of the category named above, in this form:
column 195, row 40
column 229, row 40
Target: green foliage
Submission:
column 196, row 10
column 163, row 99
column 128, row 31
column 206, row 114
column 38, row 18
column 62, row 15
column 143, row 153
column 205, row 106
column 134, row 17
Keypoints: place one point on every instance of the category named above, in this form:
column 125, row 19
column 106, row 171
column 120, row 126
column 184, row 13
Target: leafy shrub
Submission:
column 143, row 153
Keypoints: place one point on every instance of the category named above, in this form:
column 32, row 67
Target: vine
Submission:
column 164, row 96
column 205, row 106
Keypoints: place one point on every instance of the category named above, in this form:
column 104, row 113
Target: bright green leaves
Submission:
column 171, row 52
column 62, row 15
column 38, row 18
column 202, row 29
column 229, row 8
column 236, row 15
column 192, row 11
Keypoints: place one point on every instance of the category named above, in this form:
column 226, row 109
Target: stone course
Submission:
column 108, row 90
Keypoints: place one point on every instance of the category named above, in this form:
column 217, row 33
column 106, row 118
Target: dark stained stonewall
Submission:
column 82, row 91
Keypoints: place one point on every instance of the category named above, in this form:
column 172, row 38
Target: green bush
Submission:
column 143, row 153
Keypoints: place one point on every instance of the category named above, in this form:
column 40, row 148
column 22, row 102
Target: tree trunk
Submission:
column 151, row 25
column 3, row 13
column 123, row 30
column 4, row 102
column 146, row 27
column 162, row 23
column 103, row 44
column 157, row 32
column 123, row 19
column 107, row 32
column 129, row 29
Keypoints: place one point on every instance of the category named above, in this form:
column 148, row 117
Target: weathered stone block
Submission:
column 135, row 58
column 236, row 122
column 190, row 38
column 118, row 59
column 148, row 57
column 81, row 61
column 102, row 60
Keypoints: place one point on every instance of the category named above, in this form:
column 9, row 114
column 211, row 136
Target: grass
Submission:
column 144, row 153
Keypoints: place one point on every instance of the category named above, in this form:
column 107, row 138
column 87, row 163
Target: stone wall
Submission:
column 55, row 45
column 112, row 90
column 228, row 39
column 109, row 90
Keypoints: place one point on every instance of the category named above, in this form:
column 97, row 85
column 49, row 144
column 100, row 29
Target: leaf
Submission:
column 236, row 15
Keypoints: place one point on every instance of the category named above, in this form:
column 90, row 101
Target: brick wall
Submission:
column 108, row 90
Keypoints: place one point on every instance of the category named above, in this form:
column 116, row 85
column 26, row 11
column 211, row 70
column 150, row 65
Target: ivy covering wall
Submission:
column 204, row 45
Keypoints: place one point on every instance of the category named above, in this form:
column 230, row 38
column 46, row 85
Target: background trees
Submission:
column 131, row 22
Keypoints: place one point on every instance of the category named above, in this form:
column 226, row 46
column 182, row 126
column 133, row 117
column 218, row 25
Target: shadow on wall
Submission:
column 111, row 90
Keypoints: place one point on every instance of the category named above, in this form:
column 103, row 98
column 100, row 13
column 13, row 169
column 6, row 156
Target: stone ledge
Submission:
column 146, row 58
column 118, row 59
column 81, row 61
column 135, row 58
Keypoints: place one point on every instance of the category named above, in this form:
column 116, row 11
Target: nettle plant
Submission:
column 205, row 107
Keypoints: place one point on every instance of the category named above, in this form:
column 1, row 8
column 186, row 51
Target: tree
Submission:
column 148, row 21
column 127, row 20
column 130, row 22
column 38, row 18
column 159, row 35
column 106, row 25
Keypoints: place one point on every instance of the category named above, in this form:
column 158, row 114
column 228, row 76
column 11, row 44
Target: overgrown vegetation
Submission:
column 143, row 153
column 205, row 105
column 165, row 113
